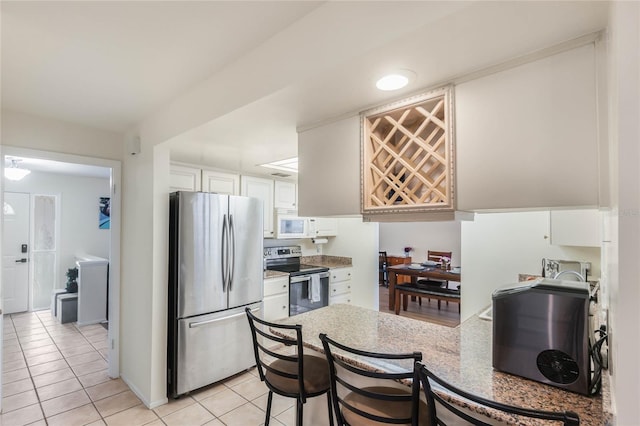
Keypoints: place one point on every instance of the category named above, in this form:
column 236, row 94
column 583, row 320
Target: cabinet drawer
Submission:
column 276, row 286
column 340, row 274
column 340, row 288
column 276, row 307
column 340, row 298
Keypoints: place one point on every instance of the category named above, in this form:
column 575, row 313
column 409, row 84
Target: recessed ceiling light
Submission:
column 288, row 165
column 395, row 80
column 392, row 82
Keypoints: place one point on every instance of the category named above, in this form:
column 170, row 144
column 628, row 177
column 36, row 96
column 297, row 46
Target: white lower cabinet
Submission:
column 339, row 285
column 276, row 298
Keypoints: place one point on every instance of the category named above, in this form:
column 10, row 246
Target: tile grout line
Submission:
column 29, row 370
column 64, row 358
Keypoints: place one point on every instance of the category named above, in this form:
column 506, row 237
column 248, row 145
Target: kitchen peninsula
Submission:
column 461, row 356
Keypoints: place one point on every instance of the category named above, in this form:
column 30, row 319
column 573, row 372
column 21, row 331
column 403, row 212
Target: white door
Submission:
column 44, row 254
column 15, row 253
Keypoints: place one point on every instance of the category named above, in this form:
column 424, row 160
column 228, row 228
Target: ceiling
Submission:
column 111, row 65
column 58, row 167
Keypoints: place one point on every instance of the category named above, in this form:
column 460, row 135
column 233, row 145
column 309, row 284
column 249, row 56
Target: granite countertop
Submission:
column 461, row 356
column 268, row 273
column 327, row 261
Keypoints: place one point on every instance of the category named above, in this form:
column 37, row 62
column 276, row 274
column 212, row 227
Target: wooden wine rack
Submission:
column 407, row 155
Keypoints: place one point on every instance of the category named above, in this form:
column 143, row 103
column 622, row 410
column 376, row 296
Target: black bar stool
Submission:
column 285, row 371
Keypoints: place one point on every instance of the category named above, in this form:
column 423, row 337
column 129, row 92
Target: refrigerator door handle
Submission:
column 232, row 250
column 201, row 323
column 224, row 253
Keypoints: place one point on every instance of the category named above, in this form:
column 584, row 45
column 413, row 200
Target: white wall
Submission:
column 622, row 268
column 138, row 269
column 358, row 240
column 28, row 131
column 496, row 247
column 79, row 198
column 422, row 236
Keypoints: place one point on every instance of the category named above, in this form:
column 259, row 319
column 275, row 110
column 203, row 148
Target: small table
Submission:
column 424, row 272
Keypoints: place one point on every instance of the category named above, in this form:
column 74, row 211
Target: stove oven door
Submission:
column 308, row 292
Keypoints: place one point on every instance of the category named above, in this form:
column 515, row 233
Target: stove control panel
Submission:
column 282, row 252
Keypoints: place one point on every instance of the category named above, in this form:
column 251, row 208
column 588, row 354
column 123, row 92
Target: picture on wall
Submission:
column 105, row 213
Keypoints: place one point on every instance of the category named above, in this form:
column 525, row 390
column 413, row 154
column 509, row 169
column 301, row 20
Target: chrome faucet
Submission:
column 577, row 274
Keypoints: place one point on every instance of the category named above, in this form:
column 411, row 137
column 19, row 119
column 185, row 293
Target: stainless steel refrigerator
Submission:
column 215, row 271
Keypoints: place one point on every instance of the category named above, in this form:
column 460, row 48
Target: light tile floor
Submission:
column 56, row 374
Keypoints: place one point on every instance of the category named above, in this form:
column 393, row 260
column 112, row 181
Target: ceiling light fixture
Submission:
column 395, row 81
column 14, row 172
column 288, row 165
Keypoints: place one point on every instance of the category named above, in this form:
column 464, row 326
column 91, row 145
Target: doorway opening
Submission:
column 68, row 224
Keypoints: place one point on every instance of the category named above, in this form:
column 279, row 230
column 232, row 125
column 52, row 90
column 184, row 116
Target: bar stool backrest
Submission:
column 441, row 410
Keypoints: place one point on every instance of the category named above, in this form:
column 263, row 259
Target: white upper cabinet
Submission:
column 576, row 228
column 526, row 137
column 323, row 227
column 335, row 190
column 285, row 195
column 220, row 182
column 184, row 178
column 262, row 189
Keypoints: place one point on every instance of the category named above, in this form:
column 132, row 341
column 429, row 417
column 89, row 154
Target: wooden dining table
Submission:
column 412, row 270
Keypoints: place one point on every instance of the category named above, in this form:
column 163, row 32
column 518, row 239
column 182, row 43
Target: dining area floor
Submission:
column 448, row 314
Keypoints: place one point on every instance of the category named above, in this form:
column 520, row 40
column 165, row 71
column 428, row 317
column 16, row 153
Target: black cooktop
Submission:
column 298, row 269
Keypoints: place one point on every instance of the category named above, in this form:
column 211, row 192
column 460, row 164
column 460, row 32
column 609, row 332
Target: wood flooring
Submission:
column 448, row 315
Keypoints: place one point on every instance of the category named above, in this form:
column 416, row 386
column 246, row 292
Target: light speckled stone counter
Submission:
column 461, row 356
column 273, row 274
column 327, row 261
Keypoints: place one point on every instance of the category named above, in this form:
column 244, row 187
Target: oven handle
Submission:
column 302, row 278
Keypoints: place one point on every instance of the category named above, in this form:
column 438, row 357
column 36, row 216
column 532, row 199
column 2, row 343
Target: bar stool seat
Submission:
column 316, row 375
column 380, row 408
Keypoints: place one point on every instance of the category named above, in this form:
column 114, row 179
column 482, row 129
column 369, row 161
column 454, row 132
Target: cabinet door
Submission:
column 399, row 260
column 262, row 189
column 340, row 285
column 340, row 298
column 220, row 182
column 340, row 274
column 326, row 227
column 278, row 285
column 183, row 178
column 285, row 195
column 576, row 228
column 276, row 307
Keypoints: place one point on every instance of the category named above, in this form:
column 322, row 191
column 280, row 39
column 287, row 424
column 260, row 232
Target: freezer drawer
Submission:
column 211, row 348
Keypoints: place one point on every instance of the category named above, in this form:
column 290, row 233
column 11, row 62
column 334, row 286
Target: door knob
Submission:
column 23, row 260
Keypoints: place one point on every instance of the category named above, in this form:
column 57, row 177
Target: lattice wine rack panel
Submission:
column 407, row 155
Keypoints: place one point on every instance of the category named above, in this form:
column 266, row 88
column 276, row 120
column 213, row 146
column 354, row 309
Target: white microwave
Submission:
column 292, row 227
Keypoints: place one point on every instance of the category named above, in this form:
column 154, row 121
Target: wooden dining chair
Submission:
column 383, row 274
column 443, row 412
column 367, row 396
column 434, row 256
column 287, row 372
